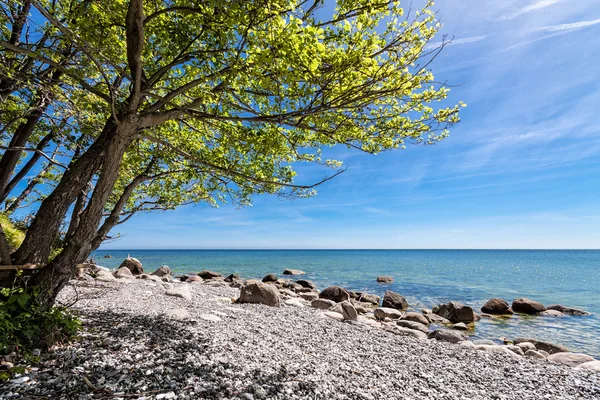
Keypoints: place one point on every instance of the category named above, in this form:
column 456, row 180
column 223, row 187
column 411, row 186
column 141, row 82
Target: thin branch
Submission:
column 38, row 151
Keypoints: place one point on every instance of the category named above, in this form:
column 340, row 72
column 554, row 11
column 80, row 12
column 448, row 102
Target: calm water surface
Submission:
column 427, row 278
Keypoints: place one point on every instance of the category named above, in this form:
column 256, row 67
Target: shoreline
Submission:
column 139, row 342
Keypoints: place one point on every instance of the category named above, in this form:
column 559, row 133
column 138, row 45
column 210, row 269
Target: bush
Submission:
column 14, row 235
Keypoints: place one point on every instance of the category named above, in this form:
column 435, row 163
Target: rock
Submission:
column 590, row 365
column 571, row 359
column 166, row 278
column 183, row 278
column 544, row 353
column 5, row 365
column 107, row 256
column 288, row 293
column 394, row 300
column 310, row 296
column 525, row 346
column 180, row 291
column 210, row 317
column 567, row 310
column 455, row 312
column 293, row 272
column 467, row 344
column 335, row 293
column 412, row 325
column 194, row 278
column 369, row 298
column 104, row 276
column 348, row 311
column 484, row 341
column 534, row 354
column 123, row 273
column 436, row 319
column 162, row 271
column 133, row 264
column 516, row 350
column 496, row 306
column 306, row 284
column 256, row 292
column 447, row 335
column 334, row 315
column 152, row 278
column 416, row 317
column 359, row 307
column 399, row 330
column 540, row 345
column 293, row 303
column 426, row 311
column 322, row 304
column 461, row 326
column 206, row 274
column 552, row 313
column 20, row 381
column 385, row 279
column 527, row 306
column 178, row 314
column 384, row 312
column 232, row 278
column 496, row 349
column 270, row 278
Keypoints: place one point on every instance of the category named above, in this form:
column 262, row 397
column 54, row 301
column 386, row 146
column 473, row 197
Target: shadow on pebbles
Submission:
column 139, row 343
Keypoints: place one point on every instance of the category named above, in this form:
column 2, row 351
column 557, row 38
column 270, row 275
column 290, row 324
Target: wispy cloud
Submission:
column 566, row 27
column 527, row 9
column 455, row 42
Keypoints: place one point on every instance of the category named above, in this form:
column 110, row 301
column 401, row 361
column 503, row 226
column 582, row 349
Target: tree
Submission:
column 157, row 103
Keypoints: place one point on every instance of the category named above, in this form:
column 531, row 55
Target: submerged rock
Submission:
column 385, row 279
column 257, row 292
column 527, row 306
column 455, row 312
column 394, row 300
column 293, row 272
column 552, row 313
column 567, row 310
column 496, row 306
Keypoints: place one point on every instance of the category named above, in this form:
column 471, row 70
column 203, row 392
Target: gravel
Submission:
column 139, row 343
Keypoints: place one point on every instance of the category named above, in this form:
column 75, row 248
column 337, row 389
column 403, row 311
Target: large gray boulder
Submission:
column 322, row 304
column 496, row 306
column 394, row 300
column 348, row 311
column 162, row 271
column 412, row 325
column 527, row 306
column 551, row 348
column 571, row 359
column 123, row 272
column 567, row 310
column 257, row 292
column 455, row 312
column 384, row 312
column 335, row 293
column 416, row 317
column 133, row 264
column 447, row 335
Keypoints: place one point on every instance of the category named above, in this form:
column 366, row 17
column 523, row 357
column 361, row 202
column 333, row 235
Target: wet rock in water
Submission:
column 123, row 273
column 348, row 311
column 107, row 256
column 335, row 293
column 133, row 264
column 162, row 271
column 306, row 284
column 535, row 354
column 384, row 312
column 270, row 278
column 590, row 365
column 447, row 335
column 436, row 319
column 496, row 306
column 571, row 359
column 322, row 304
column 541, row 345
column 455, row 312
column 552, row 313
column 369, row 298
column 416, row 317
column 194, row 278
column 567, row 310
column 206, row 274
column 257, row 292
column 527, row 306
column 394, row 300
column 293, row 272
column 385, row 279
column 412, row 325
column 180, row 291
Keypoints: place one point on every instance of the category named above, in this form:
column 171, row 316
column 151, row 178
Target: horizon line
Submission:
column 348, row 249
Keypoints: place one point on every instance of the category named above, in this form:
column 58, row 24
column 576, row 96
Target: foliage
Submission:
column 14, row 235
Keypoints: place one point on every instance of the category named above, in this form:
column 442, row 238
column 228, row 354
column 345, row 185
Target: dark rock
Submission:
column 540, row 345
column 293, row 272
column 335, row 293
column 206, row 274
column 496, row 306
column 183, row 278
column 455, row 312
column 162, row 271
column 527, row 306
column 232, row 278
column 257, row 292
column 322, row 304
column 385, row 279
column 270, row 278
column 394, row 300
column 348, row 311
column 306, row 284
column 107, row 256
column 369, row 298
column 567, row 310
column 447, row 335
column 436, row 319
column 133, row 264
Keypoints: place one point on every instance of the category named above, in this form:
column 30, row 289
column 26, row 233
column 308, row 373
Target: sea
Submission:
column 427, row 278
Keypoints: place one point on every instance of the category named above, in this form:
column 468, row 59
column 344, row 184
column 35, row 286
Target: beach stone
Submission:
column 178, row 314
column 496, row 349
column 288, row 292
column 567, row 310
column 293, row 272
column 535, row 354
column 232, row 278
column 461, row 326
column 571, row 359
column 152, row 278
column 552, row 313
column 385, row 279
column 399, row 330
column 467, row 344
column 412, row 325
column 516, row 350
column 194, row 278
column 180, row 291
column 310, row 296
column 436, row 319
column 123, row 273
column 162, row 271
column 322, row 304
column 360, row 307
column 133, row 264
column 590, row 365
column 416, row 317
column 447, row 335
column 527, row 306
column 369, row 298
column 384, row 312
column 484, row 341
column 496, row 306
column 257, row 292
column 455, row 312
column 394, row 300
column 540, row 345
column 544, row 353
column 270, row 278
column 526, row 346
column 294, row 303
column 306, row 284
column 348, row 311
column 206, row 274
column 334, row 315
column 335, row 293
column 104, row 276
column 210, row 317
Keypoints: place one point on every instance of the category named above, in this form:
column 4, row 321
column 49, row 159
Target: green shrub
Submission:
column 14, row 235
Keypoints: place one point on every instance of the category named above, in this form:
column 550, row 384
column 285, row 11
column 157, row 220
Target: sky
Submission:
column 522, row 169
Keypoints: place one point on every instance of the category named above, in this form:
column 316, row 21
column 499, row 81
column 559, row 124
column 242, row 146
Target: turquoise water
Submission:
column 427, row 278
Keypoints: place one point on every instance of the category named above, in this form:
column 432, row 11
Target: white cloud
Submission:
column 527, row 9
column 565, row 27
column 454, row 42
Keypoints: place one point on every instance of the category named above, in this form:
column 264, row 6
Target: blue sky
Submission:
column 522, row 169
